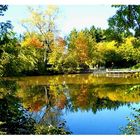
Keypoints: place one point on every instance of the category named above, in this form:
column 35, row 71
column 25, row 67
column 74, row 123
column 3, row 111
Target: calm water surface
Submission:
column 87, row 103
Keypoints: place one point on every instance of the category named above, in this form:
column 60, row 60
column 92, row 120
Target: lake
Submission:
column 81, row 103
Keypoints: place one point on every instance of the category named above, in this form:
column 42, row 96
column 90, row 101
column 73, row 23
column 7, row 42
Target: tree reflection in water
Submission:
column 38, row 109
column 14, row 119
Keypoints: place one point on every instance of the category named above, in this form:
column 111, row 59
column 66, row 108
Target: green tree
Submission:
column 97, row 33
column 113, row 34
column 13, row 58
column 126, row 20
column 71, row 39
column 129, row 51
column 107, row 53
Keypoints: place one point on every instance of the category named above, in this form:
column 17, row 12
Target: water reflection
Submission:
column 17, row 119
column 46, row 100
column 74, row 97
column 13, row 118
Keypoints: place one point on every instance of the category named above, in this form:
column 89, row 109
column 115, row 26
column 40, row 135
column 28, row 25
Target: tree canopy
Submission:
column 41, row 50
column 126, row 20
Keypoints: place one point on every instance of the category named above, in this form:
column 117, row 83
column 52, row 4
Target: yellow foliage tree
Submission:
column 43, row 22
column 32, row 41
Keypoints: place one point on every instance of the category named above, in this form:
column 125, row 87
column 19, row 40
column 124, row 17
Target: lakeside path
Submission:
column 117, row 71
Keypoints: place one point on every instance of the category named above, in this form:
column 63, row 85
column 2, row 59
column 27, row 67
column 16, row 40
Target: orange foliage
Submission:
column 82, row 99
column 81, row 47
column 61, row 102
column 61, row 42
column 35, row 106
column 33, row 41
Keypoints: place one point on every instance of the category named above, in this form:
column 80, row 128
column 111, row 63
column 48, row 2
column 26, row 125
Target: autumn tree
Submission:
column 83, row 45
column 43, row 23
column 58, row 55
column 81, row 48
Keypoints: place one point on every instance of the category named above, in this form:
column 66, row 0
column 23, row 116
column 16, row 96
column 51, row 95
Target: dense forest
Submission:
column 41, row 51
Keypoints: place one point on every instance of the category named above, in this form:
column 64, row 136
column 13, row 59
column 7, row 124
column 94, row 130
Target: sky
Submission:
column 70, row 16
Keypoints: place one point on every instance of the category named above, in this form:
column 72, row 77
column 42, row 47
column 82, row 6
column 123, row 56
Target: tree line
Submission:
column 40, row 50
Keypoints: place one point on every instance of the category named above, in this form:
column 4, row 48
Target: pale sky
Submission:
column 70, row 16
